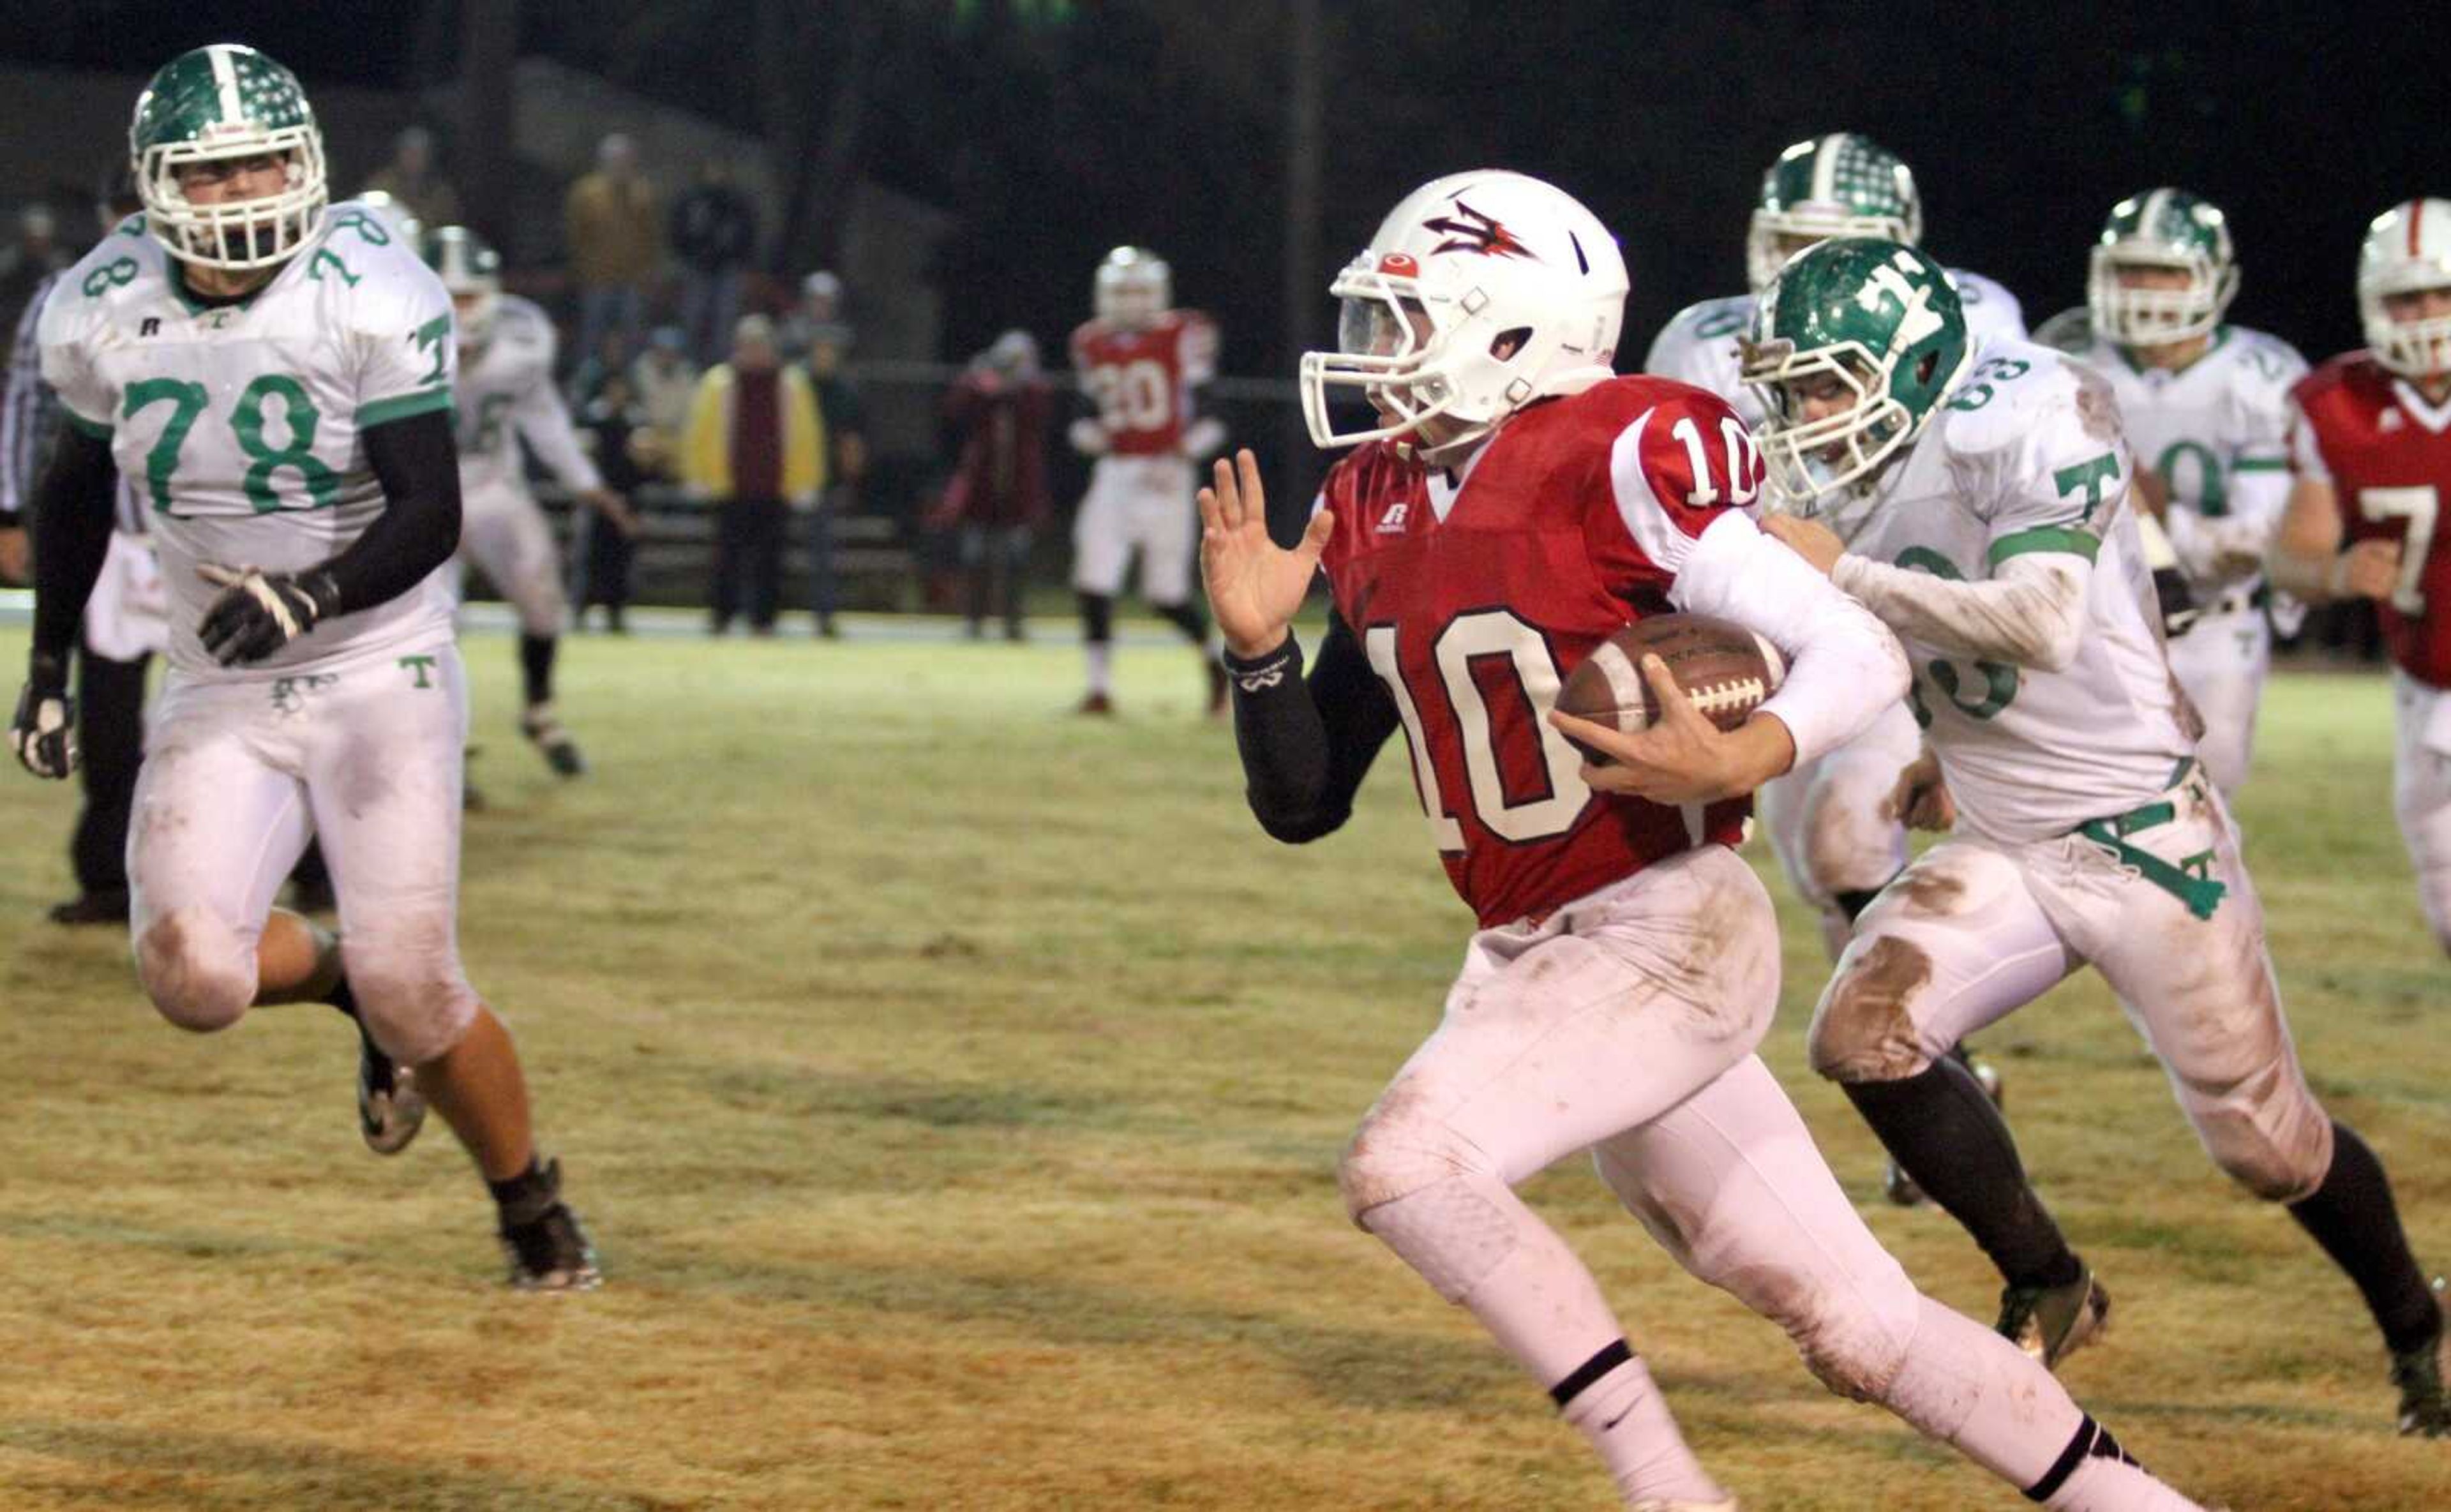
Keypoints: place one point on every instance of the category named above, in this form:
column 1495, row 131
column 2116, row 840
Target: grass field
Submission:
column 954, row 1089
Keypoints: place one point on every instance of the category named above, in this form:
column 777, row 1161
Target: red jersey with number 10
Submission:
column 2390, row 462
column 1474, row 619
column 1140, row 378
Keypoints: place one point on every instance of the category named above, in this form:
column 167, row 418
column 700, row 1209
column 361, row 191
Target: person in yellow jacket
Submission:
column 754, row 447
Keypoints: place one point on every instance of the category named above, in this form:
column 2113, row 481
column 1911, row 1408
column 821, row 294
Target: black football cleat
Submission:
column 2051, row 1323
column 390, row 1108
column 543, row 729
column 2425, row 1409
column 91, row 908
column 1097, row 705
column 547, row 1249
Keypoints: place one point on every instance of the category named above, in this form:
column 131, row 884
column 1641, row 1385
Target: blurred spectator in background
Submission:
column 997, row 496
column 615, row 235
column 819, row 339
column 629, row 453
column 413, row 182
column 715, row 234
column 25, row 264
column 754, row 447
column 664, row 381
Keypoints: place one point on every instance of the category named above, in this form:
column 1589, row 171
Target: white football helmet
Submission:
column 2168, row 229
column 1481, row 292
column 472, row 275
column 1133, row 286
column 2407, row 250
column 1826, row 187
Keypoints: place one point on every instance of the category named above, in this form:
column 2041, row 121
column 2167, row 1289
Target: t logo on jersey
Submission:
column 1475, row 232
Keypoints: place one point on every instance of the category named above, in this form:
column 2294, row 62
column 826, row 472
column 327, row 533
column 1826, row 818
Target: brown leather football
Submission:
column 1726, row 668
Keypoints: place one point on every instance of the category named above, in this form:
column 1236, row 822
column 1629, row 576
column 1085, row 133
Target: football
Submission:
column 1726, row 668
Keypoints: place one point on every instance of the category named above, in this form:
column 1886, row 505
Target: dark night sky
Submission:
column 2023, row 123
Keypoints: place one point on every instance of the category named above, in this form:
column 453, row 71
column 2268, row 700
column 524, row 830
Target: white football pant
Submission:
column 503, row 532
column 2221, row 662
column 1625, row 1023
column 1832, row 822
column 238, row 773
column 1137, row 503
column 1975, row 930
column 2422, row 792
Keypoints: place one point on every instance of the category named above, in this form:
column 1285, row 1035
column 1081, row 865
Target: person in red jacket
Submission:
column 997, row 496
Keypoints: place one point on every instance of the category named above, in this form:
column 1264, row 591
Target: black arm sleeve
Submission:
column 417, row 462
column 1306, row 743
column 72, row 515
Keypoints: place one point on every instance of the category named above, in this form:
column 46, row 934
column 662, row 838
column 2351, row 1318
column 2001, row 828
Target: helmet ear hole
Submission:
column 1926, row 367
column 1509, row 341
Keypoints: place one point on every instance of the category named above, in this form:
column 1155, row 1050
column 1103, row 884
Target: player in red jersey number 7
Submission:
column 1512, row 506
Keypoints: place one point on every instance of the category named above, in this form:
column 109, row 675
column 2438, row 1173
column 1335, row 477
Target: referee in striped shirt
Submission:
column 112, row 662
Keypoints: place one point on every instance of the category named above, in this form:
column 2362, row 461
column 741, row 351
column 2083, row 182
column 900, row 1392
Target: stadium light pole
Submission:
column 1305, row 143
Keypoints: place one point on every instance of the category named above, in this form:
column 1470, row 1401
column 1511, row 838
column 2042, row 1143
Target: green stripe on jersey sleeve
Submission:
column 91, row 427
column 2044, row 538
column 2261, row 465
column 383, row 411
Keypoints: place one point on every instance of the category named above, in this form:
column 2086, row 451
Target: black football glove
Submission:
column 260, row 612
column 43, row 732
column 2179, row 610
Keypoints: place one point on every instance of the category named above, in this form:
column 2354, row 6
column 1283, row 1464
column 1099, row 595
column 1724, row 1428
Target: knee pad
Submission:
column 1454, row 1232
column 1864, row 1029
column 416, row 1004
column 197, row 971
column 1397, row 1153
column 2279, row 1148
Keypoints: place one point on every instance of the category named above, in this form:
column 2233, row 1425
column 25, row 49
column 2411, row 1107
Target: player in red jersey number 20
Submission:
column 1512, row 506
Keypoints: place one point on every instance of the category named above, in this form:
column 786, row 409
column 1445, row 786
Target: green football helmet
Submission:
column 2168, row 230
column 1838, row 185
column 213, row 105
column 1872, row 318
column 472, row 274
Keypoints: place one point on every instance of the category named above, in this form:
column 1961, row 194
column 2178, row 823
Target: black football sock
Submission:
column 1942, row 1131
column 2353, row 1217
column 341, row 998
column 1097, row 618
column 526, row 1197
column 1854, row 904
column 536, row 666
column 1186, row 617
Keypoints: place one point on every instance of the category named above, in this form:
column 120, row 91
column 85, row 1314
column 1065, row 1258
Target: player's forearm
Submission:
column 1308, row 742
column 418, row 464
column 2032, row 615
column 72, row 535
column 1844, row 667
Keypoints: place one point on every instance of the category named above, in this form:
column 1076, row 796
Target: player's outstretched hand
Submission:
column 1809, row 539
column 1921, row 799
column 43, row 732
column 1255, row 587
column 1682, row 757
column 260, row 612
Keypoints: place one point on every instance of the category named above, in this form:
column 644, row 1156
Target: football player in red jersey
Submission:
column 1514, row 504
column 1139, row 360
column 2372, row 448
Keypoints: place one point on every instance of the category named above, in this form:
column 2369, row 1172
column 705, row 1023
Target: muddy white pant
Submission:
column 1625, row 1023
column 238, row 773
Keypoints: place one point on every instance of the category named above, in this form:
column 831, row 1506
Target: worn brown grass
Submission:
column 955, row 1089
